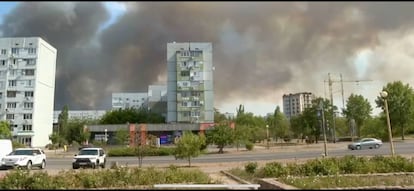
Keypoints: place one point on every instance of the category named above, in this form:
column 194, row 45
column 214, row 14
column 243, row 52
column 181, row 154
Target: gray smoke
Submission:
column 257, row 47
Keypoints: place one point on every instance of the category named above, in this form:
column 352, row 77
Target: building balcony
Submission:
column 23, row 133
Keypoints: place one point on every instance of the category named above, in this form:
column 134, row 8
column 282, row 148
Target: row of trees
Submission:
column 356, row 116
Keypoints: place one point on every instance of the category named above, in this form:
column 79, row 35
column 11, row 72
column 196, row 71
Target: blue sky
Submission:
column 5, row 8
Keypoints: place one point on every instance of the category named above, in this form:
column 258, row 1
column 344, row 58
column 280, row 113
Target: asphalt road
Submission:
column 401, row 148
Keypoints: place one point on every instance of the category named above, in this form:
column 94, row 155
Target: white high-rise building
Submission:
column 27, row 88
column 295, row 104
column 190, row 94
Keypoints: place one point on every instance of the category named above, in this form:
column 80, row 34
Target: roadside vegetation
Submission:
column 327, row 172
column 120, row 178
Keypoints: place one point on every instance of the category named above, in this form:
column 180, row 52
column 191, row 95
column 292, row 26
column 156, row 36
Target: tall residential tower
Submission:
column 27, row 88
column 190, row 94
column 295, row 104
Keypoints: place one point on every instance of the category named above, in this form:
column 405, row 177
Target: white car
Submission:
column 25, row 157
column 89, row 157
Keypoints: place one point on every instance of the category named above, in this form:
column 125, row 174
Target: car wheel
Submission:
column 75, row 167
column 93, row 165
column 103, row 164
column 358, row 147
column 43, row 165
column 376, row 146
column 29, row 165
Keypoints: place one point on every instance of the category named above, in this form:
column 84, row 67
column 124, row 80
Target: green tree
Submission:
column 359, row 109
column 375, row 127
column 131, row 115
column 219, row 117
column 122, row 136
column 188, row 146
column 400, row 104
column 76, row 130
column 57, row 139
column 5, row 132
column 241, row 135
column 63, row 121
column 278, row 125
column 221, row 136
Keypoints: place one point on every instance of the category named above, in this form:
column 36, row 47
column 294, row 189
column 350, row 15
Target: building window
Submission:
column 12, row 83
column 3, row 51
column 1, row 95
column 15, row 50
column 10, row 116
column 27, row 116
column 32, row 50
column 196, row 103
column 185, row 73
column 28, row 94
column 28, row 105
column 195, row 114
column 11, row 93
column 11, row 104
column 184, row 104
column 29, row 83
column 28, row 72
column 27, row 127
column 31, row 61
column 186, row 114
column 3, row 62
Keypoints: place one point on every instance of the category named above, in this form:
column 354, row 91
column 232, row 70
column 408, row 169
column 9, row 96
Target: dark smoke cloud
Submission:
column 257, row 47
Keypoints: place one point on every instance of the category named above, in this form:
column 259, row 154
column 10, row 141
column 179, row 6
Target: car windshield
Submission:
column 88, row 152
column 22, row 152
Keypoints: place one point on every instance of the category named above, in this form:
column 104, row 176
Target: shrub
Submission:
column 273, row 169
column 122, row 177
column 250, row 167
column 249, row 146
column 149, row 151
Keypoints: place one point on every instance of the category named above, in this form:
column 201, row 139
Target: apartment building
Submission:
column 295, row 104
column 190, row 94
column 80, row 114
column 27, row 88
column 129, row 100
column 157, row 99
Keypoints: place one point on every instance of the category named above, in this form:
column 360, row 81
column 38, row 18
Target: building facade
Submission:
column 129, row 100
column 80, row 114
column 157, row 99
column 190, row 94
column 27, row 88
column 295, row 104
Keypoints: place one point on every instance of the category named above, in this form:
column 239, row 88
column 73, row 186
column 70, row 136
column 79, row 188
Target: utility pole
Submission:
column 323, row 127
column 330, row 83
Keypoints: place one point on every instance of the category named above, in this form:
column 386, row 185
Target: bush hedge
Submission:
column 117, row 178
column 333, row 166
column 148, row 151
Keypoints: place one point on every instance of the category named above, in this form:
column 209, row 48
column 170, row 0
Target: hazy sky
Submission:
column 261, row 50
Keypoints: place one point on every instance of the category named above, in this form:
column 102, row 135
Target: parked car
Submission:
column 6, row 147
column 24, row 157
column 365, row 143
column 89, row 157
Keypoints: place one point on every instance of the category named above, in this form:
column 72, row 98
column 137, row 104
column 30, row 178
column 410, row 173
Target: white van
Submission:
column 6, row 147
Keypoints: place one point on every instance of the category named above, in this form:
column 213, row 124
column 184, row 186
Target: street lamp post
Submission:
column 323, row 127
column 384, row 95
column 267, row 136
column 106, row 136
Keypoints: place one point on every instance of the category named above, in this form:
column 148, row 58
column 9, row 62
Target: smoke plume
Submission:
column 258, row 48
